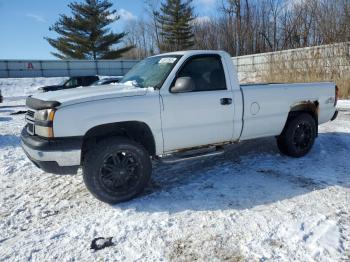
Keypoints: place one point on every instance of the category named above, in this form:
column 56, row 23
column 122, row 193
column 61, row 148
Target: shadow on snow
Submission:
column 249, row 174
column 5, row 118
column 9, row 140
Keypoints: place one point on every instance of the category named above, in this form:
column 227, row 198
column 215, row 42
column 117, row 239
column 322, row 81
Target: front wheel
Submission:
column 298, row 136
column 116, row 170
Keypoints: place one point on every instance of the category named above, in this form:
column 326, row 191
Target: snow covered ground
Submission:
column 251, row 204
column 344, row 104
column 14, row 88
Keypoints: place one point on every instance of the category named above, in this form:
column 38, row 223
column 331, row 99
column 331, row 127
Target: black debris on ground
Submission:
column 101, row 243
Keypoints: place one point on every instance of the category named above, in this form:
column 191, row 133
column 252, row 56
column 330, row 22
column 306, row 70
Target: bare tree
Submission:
column 253, row 26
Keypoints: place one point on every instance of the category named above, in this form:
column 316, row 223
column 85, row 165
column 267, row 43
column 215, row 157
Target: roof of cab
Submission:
column 193, row 52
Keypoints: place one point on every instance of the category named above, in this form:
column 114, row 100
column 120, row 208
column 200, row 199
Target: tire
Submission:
column 116, row 170
column 298, row 136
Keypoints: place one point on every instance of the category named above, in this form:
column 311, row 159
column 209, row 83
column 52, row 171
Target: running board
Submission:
column 178, row 158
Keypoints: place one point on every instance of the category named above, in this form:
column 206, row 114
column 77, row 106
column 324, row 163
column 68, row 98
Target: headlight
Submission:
column 44, row 122
column 44, row 131
column 45, row 115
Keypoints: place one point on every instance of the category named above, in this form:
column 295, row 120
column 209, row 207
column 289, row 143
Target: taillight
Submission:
column 336, row 95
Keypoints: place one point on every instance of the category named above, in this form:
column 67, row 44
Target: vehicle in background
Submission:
column 72, row 82
column 171, row 107
column 107, row 81
column 1, row 97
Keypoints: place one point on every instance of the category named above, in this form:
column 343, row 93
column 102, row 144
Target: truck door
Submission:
column 202, row 116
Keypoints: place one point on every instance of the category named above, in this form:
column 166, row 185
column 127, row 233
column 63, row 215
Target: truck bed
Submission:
column 266, row 106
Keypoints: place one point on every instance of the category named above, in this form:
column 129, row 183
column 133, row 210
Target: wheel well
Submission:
column 134, row 130
column 308, row 107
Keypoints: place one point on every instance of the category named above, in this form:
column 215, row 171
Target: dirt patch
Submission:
column 204, row 248
column 299, row 181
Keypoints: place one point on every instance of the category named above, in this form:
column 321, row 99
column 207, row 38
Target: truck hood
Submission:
column 90, row 93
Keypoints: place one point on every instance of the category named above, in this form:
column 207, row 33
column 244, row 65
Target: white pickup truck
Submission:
column 169, row 107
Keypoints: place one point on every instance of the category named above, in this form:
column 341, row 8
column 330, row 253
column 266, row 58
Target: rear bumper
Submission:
column 57, row 156
column 335, row 115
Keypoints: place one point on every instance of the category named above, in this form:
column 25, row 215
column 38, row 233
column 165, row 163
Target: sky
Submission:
column 25, row 23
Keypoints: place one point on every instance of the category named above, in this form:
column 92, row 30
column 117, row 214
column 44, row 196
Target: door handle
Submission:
column 226, row 101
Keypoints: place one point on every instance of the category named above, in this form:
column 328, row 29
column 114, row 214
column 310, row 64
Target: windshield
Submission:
column 150, row 72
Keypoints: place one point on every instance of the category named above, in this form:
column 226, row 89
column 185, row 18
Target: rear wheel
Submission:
column 298, row 136
column 116, row 170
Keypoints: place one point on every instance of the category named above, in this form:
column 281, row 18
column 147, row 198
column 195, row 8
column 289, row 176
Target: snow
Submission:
column 21, row 87
column 250, row 204
column 343, row 104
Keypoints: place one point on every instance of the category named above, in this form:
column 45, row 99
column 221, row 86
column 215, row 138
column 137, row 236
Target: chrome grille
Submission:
column 30, row 113
column 30, row 122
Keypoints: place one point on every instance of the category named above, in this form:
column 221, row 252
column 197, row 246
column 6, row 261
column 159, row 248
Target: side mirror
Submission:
column 183, row 85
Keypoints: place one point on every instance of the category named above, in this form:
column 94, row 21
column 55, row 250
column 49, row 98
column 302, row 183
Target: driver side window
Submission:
column 206, row 72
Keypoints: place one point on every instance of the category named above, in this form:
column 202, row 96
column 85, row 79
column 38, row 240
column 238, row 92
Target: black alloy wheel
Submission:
column 116, row 169
column 302, row 137
column 298, row 136
column 119, row 171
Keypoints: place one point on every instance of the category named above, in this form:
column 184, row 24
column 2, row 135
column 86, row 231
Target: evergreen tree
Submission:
column 85, row 35
column 175, row 25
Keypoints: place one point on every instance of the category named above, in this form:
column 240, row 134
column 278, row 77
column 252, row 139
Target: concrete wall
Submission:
column 336, row 55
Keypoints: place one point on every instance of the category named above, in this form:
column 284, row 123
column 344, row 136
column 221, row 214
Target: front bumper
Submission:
column 57, row 156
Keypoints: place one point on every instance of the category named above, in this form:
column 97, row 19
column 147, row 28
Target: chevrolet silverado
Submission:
column 170, row 107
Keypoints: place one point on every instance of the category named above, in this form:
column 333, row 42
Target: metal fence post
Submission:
column 68, row 68
column 7, row 68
